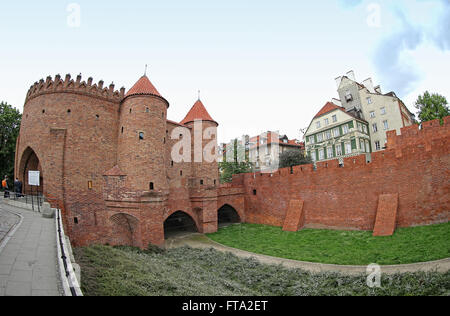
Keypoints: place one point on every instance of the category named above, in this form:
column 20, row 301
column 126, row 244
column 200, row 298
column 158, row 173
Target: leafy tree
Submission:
column 292, row 158
column 10, row 119
column 239, row 164
column 431, row 107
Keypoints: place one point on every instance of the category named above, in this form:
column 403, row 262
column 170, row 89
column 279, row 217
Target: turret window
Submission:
column 152, row 186
column 201, row 182
column 141, row 136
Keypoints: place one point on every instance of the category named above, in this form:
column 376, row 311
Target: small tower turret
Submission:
column 205, row 172
column 141, row 141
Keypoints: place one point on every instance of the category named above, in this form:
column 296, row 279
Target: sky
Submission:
column 260, row 65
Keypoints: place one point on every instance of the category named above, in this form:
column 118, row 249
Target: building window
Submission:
column 367, row 147
column 69, row 110
column 171, row 163
column 336, row 132
column 311, row 139
column 369, row 100
column 348, row 148
column 375, row 128
column 141, row 135
column 147, row 110
column 327, row 122
column 328, row 134
column 181, row 173
column 320, row 137
column 372, row 114
column 383, row 111
column 360, row 127
column 43, row 111
column 122, row 129
column 215, row 182
column 338, row 150
column 130, row 110
column 334, row 118
column 152, row 186
column 377, row 145
column 75, row 220
column 330, row 152
column 321, row 154
column 345, row 129
column 364, row 127
column 318, row 125
column 254, row 192
column 386, row 125
column 362, row 145
column 313, row 156
column 348, row 96
column 90, row 185
column 201, row 182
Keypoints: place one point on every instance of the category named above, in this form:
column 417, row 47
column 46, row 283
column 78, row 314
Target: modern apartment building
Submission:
column 335, row 133
column 383, row 112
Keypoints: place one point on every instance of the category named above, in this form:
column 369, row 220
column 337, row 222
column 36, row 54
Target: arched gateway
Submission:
column 30, row 162
column 179, row 224
column 227, row 215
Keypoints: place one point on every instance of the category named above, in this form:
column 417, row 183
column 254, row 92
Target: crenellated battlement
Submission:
column 412, row 174
column 68, row 85
column 412, row 142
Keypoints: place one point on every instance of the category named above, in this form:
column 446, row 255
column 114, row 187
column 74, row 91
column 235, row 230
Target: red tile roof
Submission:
column 198, row 112
column 143, row 87
column 328, row 108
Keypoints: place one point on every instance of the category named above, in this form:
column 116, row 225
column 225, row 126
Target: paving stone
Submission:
column 21, row 276
column 5, row 269
column 45, row 293
column 18, row 288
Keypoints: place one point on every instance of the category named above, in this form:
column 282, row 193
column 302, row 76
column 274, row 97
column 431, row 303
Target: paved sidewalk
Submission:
column 201, row 241
column 28, row 263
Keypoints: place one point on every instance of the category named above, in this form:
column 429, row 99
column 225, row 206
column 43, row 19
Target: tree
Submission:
column 10, row 119
column 240, row 163
column 431, row 107
column 292, row 158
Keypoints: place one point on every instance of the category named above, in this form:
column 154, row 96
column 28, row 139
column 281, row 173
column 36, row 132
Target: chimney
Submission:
column 338, row 81
column 378, row 89
column 336, row 101
column 351, row 75
column 369, row 85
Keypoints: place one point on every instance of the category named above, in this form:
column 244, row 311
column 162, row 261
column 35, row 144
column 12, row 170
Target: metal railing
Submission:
column 35, row 199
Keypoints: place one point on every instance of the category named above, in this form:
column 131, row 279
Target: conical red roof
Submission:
column 198, row 112
column 143, row 87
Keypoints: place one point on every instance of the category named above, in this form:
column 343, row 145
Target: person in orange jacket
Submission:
column 5, row 187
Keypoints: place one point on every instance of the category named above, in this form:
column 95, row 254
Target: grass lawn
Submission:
column 125, row 271
column 407, row 245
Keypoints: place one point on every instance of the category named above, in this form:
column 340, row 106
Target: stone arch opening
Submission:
column 125, row 230
column 179, row 224
column 227, row 215
column 30, row 162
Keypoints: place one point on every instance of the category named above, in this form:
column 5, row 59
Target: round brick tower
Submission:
column 204, row 130
column 141, row 141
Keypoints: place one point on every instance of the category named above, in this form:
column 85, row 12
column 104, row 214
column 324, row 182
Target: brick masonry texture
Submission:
column 85, row 141
column 415, row 167
column 386, row 215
